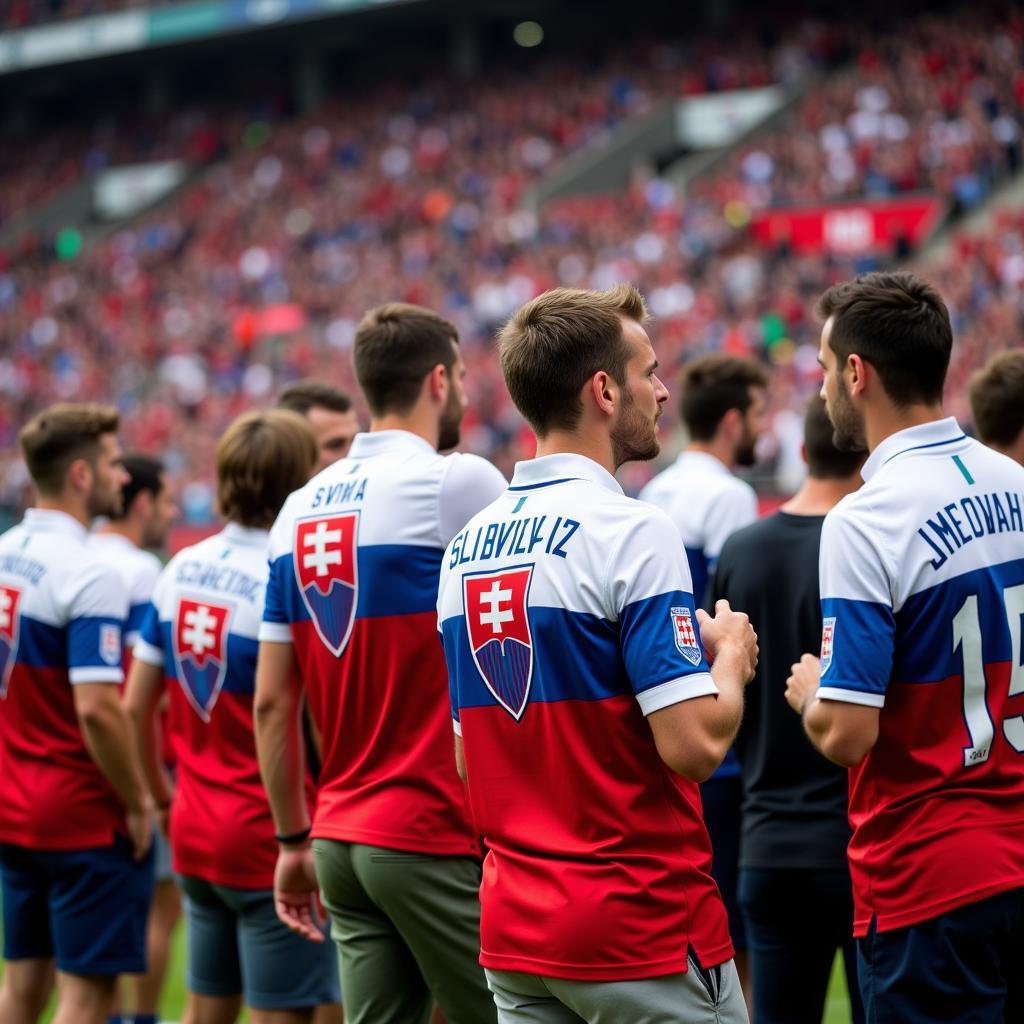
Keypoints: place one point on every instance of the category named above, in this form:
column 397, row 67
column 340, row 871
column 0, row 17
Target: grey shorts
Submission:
column 237, row 944
column 163, row 870
column 696, row 997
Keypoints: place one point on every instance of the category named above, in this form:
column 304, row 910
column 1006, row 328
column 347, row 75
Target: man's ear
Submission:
column 80, row 475
column 438, row 383
column 858, row 373
column 604, row 392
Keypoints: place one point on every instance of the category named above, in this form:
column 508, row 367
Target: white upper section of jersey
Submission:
column 229, row 568
column 62, row 579
column 139, row 569
column 705, row 501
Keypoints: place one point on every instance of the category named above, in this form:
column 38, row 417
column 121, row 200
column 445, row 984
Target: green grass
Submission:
column 837, row 1006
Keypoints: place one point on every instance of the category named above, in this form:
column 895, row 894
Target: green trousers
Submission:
column 407, row 926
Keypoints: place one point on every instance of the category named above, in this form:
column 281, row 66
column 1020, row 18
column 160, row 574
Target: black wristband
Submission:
column 295, row 839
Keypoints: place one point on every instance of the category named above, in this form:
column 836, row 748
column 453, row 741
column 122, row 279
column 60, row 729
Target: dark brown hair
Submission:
column 396, row 346
column 261, row 459
column 146, row 476
column 304, row 395
column 555, row 343
column 899, row 324
column 711, row 385
column 997, row 399
column 58, row 435
column 824, row 460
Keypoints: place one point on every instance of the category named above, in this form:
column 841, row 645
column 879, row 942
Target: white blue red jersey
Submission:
column 201, row 629
column 922, row 583
column 708, row 504
column 567, row 616
column 355, row 558
column 62, row 609
column 139, row 569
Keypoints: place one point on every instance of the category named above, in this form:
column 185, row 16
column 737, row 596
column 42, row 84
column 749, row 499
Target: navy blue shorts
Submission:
column 86, row 908
column 964, row 967
column 720, row 797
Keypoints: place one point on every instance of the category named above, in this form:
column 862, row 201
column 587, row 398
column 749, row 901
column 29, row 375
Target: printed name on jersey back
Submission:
column 10, row 600
column 513, row 538
column 985, row 514
column 200, row 651
column 498, row 625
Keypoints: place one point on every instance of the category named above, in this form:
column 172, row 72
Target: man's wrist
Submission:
column 294, row 840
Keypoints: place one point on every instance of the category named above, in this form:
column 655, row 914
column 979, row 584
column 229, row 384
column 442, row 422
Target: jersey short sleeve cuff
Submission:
column 838, row 693
column 147, row 653
column 456, row 727
column 94, row 674
column 275, row 632
column 675, row 691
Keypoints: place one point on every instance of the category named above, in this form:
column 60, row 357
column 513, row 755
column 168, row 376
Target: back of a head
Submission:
column 146, row 477
column 824, row 460
column 899, row 324
column 60, row 434
column 555, row 343
column 304, row 395
column 396, row 346
column 711, row 385
column 997, row 399
column 261, row 459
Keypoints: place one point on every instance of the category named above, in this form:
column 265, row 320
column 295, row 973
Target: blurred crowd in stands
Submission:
column 258, row 272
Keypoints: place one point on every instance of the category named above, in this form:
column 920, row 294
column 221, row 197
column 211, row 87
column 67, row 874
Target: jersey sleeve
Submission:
column 149, row 646
column 96, row 616
column 470, row 484
column 858, row 625
column 140, row 598
column 650, row 593
column 276, row 625
column 734, row 508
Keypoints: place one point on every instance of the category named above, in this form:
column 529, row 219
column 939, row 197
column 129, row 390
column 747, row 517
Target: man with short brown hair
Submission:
column 997, row 402
column 75, row 817
column 328, row 410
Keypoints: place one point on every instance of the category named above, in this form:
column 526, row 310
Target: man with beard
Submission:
column 722, row 405
column 349, row 619
column 75, row 819
column 918, row 686
column 584, row 708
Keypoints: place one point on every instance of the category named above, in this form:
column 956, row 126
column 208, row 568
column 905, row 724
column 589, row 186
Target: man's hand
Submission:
column 295, row 892
column 802, row 684
column 729, row 634
column 139, row 823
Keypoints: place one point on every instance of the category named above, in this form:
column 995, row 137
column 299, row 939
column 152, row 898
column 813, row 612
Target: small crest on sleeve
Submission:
column 110, row 643
column 685, row 635
column 828, row 631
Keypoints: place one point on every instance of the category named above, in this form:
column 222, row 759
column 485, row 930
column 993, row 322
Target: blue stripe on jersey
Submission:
column 648, row 641
column 921, row 447
column 84, row 648
column 394, row 579
column 149, row 629
column 924, row 637
column 700, row 572
column 41, row 645
column 543, row 483
column 241, row 658
column 865, row 665
column 136, row 616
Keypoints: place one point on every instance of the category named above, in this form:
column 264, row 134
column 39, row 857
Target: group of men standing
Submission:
column 591, row 666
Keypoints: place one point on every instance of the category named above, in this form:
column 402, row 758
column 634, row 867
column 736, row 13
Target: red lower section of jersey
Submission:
column 388, row 776
column 53, row 795
column 598, row 864
column 930, row 834
column 221, row 827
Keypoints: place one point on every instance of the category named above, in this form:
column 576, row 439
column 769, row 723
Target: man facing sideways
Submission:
column 794, row 882
column 198, row 644
column 584, row 708
column 328, row 410
column 722, row 405
column 997, row 404
column 355, row 558
column 76, row 819
column 918, row 689
column 127, row 541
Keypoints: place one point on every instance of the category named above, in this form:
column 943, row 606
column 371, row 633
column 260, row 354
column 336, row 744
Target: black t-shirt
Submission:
column 794, row 800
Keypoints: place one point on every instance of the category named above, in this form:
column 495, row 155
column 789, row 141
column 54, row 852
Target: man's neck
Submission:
column 889, row 420
column 130, row 531
column 818, row 497
column 564, row 442
column 76, row 510
column 413, row 423
column 716, row 449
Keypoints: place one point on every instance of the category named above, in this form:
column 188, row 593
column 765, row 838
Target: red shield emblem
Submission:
column 495, row 606
column 200, row 652
column 327, row 572
column 10, row 600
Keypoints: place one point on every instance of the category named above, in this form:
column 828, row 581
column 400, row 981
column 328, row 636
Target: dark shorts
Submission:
column 720, row 797
column 85, row 908
column 963, row 967
column 237, row 944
